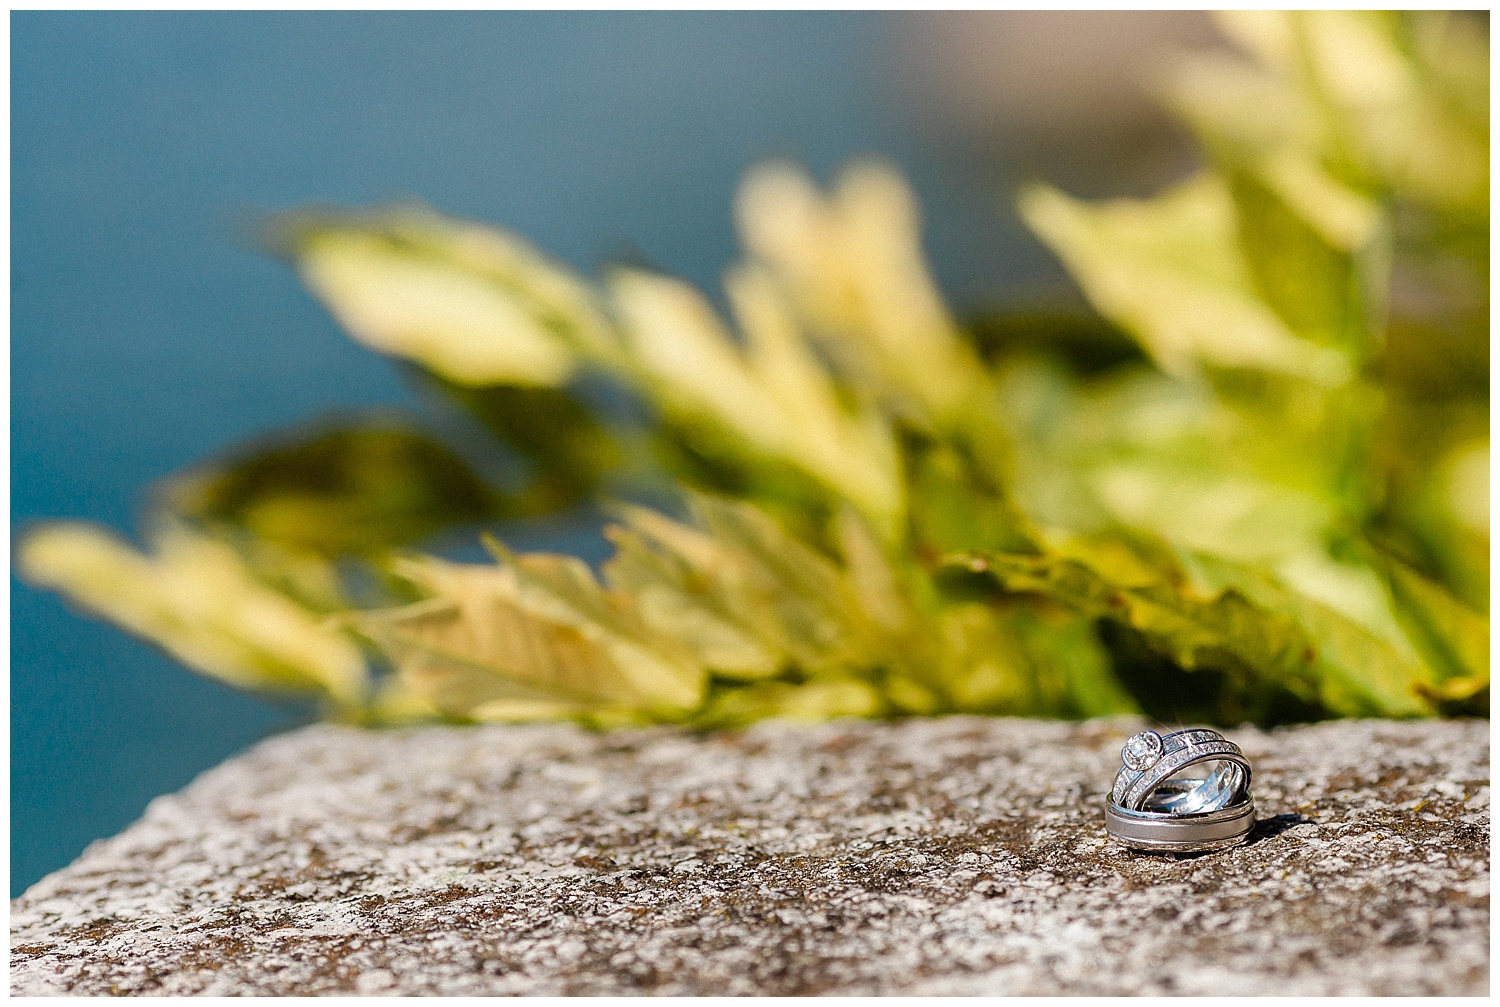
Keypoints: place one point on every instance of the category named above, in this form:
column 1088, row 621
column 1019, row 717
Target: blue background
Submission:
column 148, row 332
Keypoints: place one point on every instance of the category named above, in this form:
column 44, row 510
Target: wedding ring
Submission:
column 1176, row 832
column 1149, row 778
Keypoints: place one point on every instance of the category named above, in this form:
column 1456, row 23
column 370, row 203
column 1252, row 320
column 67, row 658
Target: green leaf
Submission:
column 983, row 666
column 1217, row 509
column 564, row 590
column 1011, row 655
column 1365, row 665
column 813, row 701
column 361, row 488
column 1389, row 102
column 1066, row 648
column 1454, row 639
column 873, row 574
column 1169, row 271
column 1271, row 633
column 568, row 451
column 793, row 602
column 957, row 504
column 797, row 596
column 1315, row 243
column 1253, row 474
column 1087, row 343
column 1325, row 283
column 1195, row 632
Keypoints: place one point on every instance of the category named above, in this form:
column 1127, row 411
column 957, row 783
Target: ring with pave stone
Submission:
column 1150, row 780
column 1158, row 802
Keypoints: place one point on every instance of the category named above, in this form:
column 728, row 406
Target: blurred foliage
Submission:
column 347, row 490
column 1256, row 487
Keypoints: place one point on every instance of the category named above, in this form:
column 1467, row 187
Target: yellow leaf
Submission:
column 823, row 699
column 674, row 336
column 853, row 265
column 1465, row 479
column 787, row 604
column 1368, row 90
column 681, row 600
column 854, row 452
column 1454, row 639
column 197, row 599
column 871, row 574
column 785, row 222
column 531, row 635
column 475, row 304
column 446, row 319
column 775, row 394
column 1228, row 615
column 1168, row 270
column 1346, row 219
column 789, row 591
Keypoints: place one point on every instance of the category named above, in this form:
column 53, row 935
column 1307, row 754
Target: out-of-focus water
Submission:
column 147, row 332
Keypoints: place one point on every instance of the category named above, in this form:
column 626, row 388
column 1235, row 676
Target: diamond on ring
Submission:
column 1141, row 751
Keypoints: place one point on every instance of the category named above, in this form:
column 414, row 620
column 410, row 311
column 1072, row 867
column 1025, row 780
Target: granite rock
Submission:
column 950, row 856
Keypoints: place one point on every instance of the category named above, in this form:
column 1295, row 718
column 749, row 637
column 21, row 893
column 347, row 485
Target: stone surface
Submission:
column 953, row 856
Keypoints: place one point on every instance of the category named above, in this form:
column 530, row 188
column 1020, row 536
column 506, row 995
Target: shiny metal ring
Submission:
column 1167, row 832
column 1148, row 779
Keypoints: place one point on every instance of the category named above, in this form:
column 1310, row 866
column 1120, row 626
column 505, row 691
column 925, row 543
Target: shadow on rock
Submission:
column 1269, row 828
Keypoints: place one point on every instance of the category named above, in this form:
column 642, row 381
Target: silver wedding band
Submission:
column 1196, row 832
column 1154, row 807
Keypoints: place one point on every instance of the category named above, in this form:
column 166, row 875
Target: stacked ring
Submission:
column 1153, row 807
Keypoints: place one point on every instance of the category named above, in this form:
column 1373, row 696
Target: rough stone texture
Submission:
column 956, row 856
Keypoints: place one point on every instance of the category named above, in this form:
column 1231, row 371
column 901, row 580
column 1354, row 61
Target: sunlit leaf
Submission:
column 823, row 699
column 984, row 667
column 1256, row 488
column 1465, row 477
column 853, row 265
column 1063, row 655
column 564, row 590
column 873, row 574
column 796, row 595
column 471, row 303
column 197, row 599
column 956, row 504
column 773, row 395
column 1324, row 282
column 1193, row 467
column 794, row 601
column 457, row 324
column 1362, row 670
column 1169, row 271
column 686, row 600
column 1391, row 100
column 536, row 637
